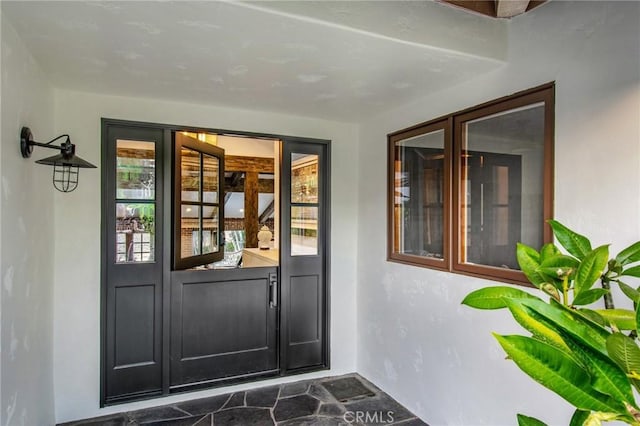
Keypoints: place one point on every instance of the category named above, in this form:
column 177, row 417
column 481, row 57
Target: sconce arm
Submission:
column 27, row 143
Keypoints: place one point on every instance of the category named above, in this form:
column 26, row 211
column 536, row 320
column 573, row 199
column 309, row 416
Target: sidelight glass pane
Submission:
column 135, row 232
column 210, row 178
column 418, row 210
column 304, row 231
column 190, row 230
column 135, row 169
column 210, row 229
column 190, row 179
column 502, row 186
column 304, row 178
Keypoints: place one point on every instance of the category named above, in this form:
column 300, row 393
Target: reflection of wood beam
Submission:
column 265, row 186
column 236, row 163
column 251, row 209
column 267, row 212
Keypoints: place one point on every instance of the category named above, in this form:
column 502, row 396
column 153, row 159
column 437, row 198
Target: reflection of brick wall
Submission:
column 237, row 224
column 230, row 224
column 186, row 243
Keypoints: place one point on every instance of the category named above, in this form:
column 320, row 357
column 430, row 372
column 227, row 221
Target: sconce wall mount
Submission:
column 66, row 164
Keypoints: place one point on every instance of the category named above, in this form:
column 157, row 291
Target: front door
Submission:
column 190, row 299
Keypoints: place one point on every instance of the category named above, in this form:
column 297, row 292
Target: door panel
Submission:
column 304, row 254
column 223, row 324
column 132, row 263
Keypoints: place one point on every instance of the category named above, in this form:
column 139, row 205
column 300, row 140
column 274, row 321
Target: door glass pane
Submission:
column 304, row 231
column 502, row 186
column 209, row 229
column 135, row 232
column 135, row 169
column 190, row 231
column 304, row 178
column 210, row 179
column 190, row 179
column 418, row 210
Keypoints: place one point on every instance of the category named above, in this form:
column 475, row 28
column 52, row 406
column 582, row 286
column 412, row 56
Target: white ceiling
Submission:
column 339, row 60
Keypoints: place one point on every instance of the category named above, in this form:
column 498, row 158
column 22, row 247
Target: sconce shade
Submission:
column 62, row 160
column 65, row 165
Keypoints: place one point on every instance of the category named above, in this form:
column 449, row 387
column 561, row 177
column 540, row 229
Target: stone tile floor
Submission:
column 332, row 401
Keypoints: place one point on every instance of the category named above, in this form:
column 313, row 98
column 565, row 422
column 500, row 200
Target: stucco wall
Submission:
column 26, row 240
column 77, row 238
column 415, row 340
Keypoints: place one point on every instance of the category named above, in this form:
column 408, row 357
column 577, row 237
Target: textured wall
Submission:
column 415, row 340
column 26, row 380
column 77, row 298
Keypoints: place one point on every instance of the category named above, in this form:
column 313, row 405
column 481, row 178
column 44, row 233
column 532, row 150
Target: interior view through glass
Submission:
column 251, row 196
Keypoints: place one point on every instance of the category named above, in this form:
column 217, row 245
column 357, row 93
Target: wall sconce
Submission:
column 66, row 165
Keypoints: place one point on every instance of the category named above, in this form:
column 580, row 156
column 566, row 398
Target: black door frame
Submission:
column 164, row 199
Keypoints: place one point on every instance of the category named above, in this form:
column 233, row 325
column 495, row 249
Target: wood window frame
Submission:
column 452, row 209
column 429, row 127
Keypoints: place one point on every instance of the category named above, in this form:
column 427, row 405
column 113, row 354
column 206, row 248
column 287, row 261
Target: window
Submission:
column 465, row 188
column 198, row 225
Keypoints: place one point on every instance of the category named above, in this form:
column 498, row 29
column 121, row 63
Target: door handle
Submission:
column 273, row 290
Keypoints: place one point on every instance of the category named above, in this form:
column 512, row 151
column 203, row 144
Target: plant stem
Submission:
column 608, row 298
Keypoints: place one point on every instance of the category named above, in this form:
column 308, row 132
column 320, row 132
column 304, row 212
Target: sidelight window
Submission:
column 466, row 188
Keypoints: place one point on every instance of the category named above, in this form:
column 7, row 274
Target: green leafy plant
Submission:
column 590, row 357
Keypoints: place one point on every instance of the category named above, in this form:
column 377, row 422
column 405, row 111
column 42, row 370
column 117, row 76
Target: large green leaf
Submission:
column 578, row 418
column 556, row 267
column 538, row 325
column 529, row 262
column 632, row 272
column 623, row 319
column 587, row 297
column 624, row 352
column 606, row 376
column 630, row 254
column 494, row 297
column 591, row 268
column 529, row 421
column 585, row 330
column 558, row 372
column 629, row 291
column 593, row 316
column 576, row 244
column 548, row 250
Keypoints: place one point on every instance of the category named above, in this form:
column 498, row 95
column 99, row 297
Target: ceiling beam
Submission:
column 236, row 163
column 268, row 211
column 483, row 7
column 511, row 8
column 496, row 8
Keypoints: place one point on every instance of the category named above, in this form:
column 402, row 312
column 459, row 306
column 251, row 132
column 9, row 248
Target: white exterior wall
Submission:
column 77, row 238
column 415, row 340
column 26, row 239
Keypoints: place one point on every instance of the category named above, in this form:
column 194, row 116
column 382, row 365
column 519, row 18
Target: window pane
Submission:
column 190, row 231
column 135, row 232
column 418, row 211
column 190, row 175
column 499, row 154
column 209, row 229
column 304, row 178
column 304, row 231
column 210, row 179
column 135, row 169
